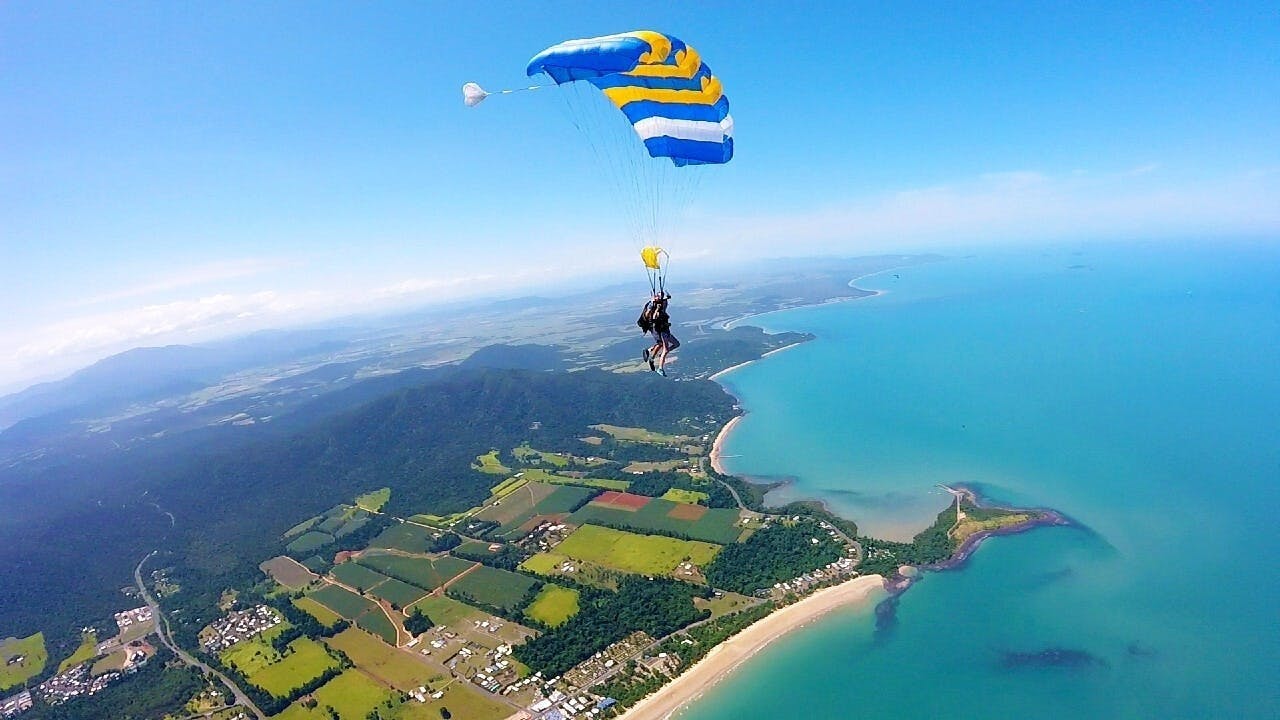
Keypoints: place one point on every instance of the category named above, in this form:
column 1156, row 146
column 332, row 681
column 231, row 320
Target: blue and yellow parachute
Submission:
column 670, row 99
column 673, row 101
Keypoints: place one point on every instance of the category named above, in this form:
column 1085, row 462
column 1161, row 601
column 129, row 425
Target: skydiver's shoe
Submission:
column 652, row 367
column 645, row 355
column 662, row 372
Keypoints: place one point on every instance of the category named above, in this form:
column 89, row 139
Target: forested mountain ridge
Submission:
column 230, row 507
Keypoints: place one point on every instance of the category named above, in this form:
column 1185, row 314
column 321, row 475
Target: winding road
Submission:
column 162, row 629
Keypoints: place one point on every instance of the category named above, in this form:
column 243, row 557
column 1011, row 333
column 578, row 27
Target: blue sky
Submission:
column 172, row 172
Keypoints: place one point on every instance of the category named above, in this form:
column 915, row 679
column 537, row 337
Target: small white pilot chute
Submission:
column 473, row 94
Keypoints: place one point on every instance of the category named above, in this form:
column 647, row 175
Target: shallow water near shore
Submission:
column 1133, row 387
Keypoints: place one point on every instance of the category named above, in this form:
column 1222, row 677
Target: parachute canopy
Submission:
column 473, row 94
column 652, row 257
column 674, row 103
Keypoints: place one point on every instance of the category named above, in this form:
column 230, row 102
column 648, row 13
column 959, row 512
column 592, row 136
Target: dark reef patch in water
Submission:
column 1051, row 658
column 886, row 618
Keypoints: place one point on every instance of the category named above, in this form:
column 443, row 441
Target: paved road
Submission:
column 162, row 629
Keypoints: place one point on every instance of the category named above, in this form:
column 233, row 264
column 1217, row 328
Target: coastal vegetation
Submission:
column 772, row 555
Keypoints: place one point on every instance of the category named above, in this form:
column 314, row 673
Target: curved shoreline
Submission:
column 732, row 653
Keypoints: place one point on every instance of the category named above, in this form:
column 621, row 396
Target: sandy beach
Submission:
column 722, row 660
column 715, row 446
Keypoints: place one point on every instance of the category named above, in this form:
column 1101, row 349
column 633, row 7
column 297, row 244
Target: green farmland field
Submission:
column 405, row 536
column 305, row 661
column 357, row 576
column 342, row 601
column 352, row 695
column 554, row 605
column 630, row 552
column 499, row 588
column 34, row 654
column 398, row 593
column 377, row 623
column 308, row 542
column 489, row 463
column 717, row 525
column 322, row 614
column 382, row 661
column 426, row 574
column 691, row 497
column 447, row 611
column 540, row 475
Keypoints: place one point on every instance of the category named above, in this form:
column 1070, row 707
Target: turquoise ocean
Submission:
column 1134, row 387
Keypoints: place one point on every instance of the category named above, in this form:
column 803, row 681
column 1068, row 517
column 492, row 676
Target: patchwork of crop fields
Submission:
column 716, row 525
column 540, row 475
column 357, row 576
column 423, row 572
column 342, row 601
column 631, row 552
column 491, row 586
column 398, row 593
column 322, row 614
column 306, row 661
column 352, row 695
column 532, row 500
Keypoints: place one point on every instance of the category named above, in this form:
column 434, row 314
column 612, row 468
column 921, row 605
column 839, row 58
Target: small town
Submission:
column 238, row 625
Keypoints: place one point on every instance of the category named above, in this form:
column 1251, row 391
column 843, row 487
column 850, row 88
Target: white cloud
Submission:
column 208, row 273
column 1020, row 206
column 1012, row 207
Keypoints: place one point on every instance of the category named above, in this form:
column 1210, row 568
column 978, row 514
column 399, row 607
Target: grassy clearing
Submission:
column 423, row 572
column 489, row 463
column 447, row 611
column 304, row 661
column 691, row 497
column 34, row 656
column 540, row 475
column 342, row 601
column 392, row 666
column 249, row 656
column 374, row 501
column 543, row 563
column 526, row 454
column 554, row 605
column 643, row 466
column 110, row 663
column 491, row 586
column 288, row 572
column 517, row 506
column 464, row 700
column 634, row 434
column 322, row 614
column 630, row 552
column 302, row 527
column 968, row 526
column 405, row 536
column 352, row 695
column 87, row 651
column 309, row 541
column 357, row 576
column 376, row 622
column 716, row 525
column 506, row 487
column 726, row 604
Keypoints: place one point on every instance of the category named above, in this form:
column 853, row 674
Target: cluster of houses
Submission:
column 546, row 536
column 14, row 704
column 238, row 625
column 130, row 618
column 558, row 706
column 73, row 683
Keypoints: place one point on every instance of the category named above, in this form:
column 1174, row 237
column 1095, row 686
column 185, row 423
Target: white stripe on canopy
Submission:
column 700, row 130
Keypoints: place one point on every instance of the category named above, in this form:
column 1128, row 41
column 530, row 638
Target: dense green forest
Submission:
column 772, row 555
